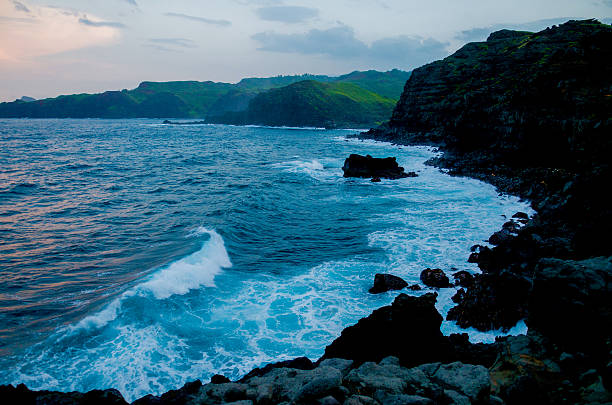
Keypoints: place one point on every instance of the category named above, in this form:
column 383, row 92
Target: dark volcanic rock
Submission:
column 300, row 363
column 463, row 278
column 367, row 166
column 571, row 301
column 494, row 301
column 387, row 282
column 219, row 379
column 410, row 330
column 22, row 395
column 435, row 278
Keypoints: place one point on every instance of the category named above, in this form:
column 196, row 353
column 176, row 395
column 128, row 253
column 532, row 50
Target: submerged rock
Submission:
column 368, row 166
column 387, row 282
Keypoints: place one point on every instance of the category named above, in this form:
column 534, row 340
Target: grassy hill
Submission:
column 191, row 99
column 312, row 103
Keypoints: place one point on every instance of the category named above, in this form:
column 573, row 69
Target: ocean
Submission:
column 141, row 256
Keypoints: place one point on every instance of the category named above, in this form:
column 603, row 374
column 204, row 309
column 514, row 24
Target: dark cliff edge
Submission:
column 531, row 114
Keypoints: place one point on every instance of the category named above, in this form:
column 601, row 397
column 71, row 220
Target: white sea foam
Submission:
column 315, row 168
column 191, row 272
column 178, row 278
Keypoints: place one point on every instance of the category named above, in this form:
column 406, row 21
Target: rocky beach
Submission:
column 532, row 115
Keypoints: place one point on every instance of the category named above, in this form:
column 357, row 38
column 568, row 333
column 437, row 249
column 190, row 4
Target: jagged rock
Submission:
column 492, row 302
column 219, row 379
column 576, row 293
column 375, row 180
column 387, row 282
column 300, row 363
column 324, row 380
column 463, row 278
column 500, row 237
column 22, row 395
column 415, row 287
column 521, row 215
column 367, row 166
column 435, row 278
column 408, row 329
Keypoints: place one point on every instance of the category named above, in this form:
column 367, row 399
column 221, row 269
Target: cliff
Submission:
column 312, row 104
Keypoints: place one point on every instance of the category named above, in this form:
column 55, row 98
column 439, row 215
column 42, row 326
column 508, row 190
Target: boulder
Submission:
column 572, row 302
column 463, row 278
column 435, row 278
column 370, row 167
column 387, row 282
column 219, row 379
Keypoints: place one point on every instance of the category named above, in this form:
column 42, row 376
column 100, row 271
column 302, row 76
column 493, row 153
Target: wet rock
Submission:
column 435, row 278
column 521, row 215
column 368, row 166
column 493, row 302
column 387, row 282
column 463, row 278
column 375, row 180
column 500, row 237
column 415, row 287
column 219, row 379
column 576, row 293
column 408, row 329
column 459, row 296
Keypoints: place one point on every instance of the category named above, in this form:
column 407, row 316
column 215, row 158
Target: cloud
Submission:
column 340, row 43
column 178, row 42
column 87, row 21
column 199, row 19
column 132, row 2
column 482, row 33
column 287, row 14
column 48, row 31
column 20, row 6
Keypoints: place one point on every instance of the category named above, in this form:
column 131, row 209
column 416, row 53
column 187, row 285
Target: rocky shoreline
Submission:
column 532, row 115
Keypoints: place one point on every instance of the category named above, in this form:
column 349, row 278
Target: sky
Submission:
column 52, row 47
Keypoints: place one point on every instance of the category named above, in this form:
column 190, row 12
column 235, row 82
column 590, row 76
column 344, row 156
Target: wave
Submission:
column 313, row 168
column 178, row 278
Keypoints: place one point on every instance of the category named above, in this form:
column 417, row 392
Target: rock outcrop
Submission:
column 370, row 167
column 387, row 282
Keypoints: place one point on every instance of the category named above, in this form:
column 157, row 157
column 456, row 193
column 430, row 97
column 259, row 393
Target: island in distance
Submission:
column 355, row 100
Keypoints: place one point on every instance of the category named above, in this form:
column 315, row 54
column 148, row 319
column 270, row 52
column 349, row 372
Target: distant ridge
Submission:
column 192, row 99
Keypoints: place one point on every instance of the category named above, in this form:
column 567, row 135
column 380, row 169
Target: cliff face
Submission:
column 530, row 100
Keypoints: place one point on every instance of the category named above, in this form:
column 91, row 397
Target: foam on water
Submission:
column 291, row 271
column 191, row 272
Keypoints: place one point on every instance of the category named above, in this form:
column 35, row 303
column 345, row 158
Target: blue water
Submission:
column 141, row 256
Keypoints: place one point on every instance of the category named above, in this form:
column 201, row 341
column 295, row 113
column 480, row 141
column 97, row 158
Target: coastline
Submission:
column 554, row 272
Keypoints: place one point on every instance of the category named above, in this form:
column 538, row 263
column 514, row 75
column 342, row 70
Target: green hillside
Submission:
column 192, row 99
column 312, row 103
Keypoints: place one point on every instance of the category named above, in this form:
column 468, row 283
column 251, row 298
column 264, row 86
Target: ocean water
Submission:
column 140, row 256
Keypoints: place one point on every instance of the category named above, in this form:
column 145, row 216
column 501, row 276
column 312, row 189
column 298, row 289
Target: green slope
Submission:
column 187, row 99
column 312, row 103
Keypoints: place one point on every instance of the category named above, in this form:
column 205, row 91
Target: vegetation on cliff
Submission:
column 315, row 104
column 192, row 99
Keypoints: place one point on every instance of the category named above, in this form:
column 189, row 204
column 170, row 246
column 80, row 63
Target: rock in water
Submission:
column 368, row 166
column 387, row 282
column 435, row 278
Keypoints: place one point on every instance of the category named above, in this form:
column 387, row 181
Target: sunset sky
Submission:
column 52, row 47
